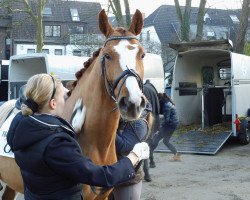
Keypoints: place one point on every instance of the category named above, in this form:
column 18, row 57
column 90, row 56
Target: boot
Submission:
column 176, row 157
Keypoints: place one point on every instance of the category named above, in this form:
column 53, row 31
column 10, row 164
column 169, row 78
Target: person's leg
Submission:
column 153, row 144
column 168, row 134
column 147, row 176
column 130, row 192
column 166, row 139
column 156, row 139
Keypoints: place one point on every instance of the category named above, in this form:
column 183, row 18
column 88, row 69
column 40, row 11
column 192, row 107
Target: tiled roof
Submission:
column 165, row 20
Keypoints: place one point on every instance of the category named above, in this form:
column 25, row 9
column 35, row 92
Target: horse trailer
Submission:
column 211, row 87
column 22, row 67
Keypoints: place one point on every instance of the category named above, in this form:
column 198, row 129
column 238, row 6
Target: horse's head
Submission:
column 122, row 65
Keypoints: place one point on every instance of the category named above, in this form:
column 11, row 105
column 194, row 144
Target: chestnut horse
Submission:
column 110, row 85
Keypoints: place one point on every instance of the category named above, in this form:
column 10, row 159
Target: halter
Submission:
column 110, row 87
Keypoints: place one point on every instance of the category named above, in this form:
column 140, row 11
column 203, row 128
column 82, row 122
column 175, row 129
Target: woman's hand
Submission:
column 139, row 152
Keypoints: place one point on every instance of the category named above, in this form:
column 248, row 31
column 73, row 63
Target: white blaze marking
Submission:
column 127, row 59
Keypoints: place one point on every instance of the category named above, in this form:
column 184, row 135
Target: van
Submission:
column 211, row 86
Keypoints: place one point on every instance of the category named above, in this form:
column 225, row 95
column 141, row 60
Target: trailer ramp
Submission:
column 196, row 142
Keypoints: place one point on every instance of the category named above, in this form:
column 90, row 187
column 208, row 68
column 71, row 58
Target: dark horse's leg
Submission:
column 9, row 194
column 1, row 187
column 147, row 176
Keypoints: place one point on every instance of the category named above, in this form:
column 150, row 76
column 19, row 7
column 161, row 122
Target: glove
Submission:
column 78, row 116
column 141, row 150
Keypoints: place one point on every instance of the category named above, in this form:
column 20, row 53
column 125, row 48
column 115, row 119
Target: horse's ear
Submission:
column 104, row 24
column 137, row 23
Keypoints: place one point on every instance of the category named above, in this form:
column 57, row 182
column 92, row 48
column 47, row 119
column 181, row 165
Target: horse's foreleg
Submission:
column 9, row 194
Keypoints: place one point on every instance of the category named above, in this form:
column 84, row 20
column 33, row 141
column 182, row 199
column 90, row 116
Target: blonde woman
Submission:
column 47, row 153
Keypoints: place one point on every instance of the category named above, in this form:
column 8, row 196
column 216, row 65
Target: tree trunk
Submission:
column 184, row 20
column 39, row 22
column 116, row 8
column 240, row 40
column 200, row 20
column 127, row 12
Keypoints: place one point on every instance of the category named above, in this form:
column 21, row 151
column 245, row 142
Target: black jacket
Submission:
column 51, row 161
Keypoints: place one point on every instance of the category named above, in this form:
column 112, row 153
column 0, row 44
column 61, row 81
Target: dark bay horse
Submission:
column 110, row 85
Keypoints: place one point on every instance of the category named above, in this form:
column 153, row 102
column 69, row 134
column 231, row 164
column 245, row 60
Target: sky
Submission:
column 148, row 6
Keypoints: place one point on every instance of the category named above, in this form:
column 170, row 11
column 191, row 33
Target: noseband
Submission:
column 110, row 87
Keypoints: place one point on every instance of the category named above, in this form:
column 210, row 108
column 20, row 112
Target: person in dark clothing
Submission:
column 168, row 127
column 128, row 134
column 46, row 150
column 152, row 96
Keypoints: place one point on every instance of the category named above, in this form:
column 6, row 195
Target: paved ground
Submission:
column 225, row 176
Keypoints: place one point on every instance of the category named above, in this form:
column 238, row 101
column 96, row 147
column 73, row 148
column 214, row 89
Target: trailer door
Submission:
column 240, row 65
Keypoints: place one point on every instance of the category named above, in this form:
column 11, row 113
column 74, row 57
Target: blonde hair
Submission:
column 39, row 89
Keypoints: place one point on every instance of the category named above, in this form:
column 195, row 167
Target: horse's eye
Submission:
column 143, row 55
column 106, row 56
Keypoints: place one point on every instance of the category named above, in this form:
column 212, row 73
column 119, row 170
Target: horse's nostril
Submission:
column 122, row 103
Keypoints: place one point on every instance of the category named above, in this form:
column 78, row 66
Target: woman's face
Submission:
column 60, row 99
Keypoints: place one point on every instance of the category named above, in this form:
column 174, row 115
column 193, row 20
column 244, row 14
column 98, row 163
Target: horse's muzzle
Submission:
column 129, row 110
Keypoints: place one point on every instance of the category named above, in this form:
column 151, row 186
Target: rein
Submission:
column 110, row 87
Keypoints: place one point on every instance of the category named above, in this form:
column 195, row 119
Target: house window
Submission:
column 45, row 51
column 30, row 50
column 58, row 51
column 52, row 31
column 77, row 53
column 76, row 29
column 47, row 11
column 74, row 15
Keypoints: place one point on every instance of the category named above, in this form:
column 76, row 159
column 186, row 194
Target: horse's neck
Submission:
column 97, row 138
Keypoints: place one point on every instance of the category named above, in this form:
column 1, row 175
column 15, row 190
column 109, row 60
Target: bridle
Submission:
column 110, row 87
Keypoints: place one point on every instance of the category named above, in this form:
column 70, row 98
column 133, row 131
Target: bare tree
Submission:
column 240, row 39
column 36, row 16
column 115, row 6
column 117, row 11
column 184, row 19
column 200, row 20
column 127, row 12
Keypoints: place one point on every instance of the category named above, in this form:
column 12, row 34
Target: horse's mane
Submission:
column 86, row 65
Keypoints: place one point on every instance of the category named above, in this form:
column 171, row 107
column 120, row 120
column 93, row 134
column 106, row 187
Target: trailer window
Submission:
column 207, row 75
column 225, row 73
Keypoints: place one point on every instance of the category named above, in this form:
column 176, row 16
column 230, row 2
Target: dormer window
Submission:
column 235, row 19
column 47, row 11
column 74, row 15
